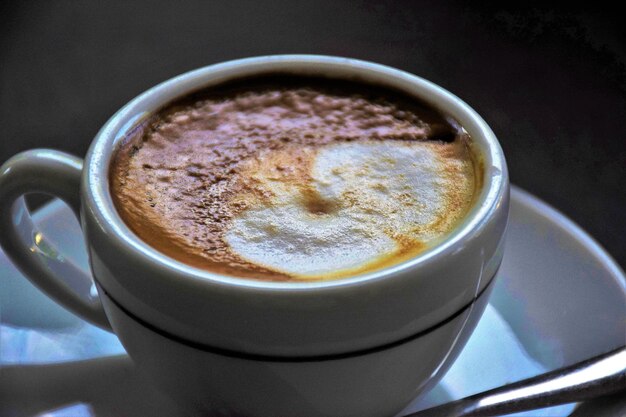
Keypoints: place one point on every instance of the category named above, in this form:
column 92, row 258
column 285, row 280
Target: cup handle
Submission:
column 58, row 174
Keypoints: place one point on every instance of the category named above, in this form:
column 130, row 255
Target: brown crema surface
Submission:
column 180, row 178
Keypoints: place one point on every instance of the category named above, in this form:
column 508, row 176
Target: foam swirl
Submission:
column 293, row 179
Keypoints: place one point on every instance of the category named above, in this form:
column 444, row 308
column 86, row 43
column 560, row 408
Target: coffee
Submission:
column 289, row 178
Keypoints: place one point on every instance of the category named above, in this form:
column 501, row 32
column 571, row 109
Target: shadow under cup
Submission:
column 359, row 346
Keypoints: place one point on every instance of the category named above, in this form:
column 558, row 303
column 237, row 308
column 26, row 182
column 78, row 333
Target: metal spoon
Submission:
column 598, row 376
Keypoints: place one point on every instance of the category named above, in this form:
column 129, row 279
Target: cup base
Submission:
column 379, row 383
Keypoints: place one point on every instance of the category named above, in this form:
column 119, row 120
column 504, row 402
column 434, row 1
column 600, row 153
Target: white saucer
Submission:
column 559, row 299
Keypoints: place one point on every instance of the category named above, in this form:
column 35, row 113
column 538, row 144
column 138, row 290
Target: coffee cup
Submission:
column 363, row 345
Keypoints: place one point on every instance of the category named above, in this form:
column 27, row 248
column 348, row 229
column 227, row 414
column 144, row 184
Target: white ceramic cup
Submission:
column 358, row 346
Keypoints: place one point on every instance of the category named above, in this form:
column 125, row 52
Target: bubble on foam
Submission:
column 379, row 192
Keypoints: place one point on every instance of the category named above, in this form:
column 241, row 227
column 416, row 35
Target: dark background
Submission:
column 551, row 82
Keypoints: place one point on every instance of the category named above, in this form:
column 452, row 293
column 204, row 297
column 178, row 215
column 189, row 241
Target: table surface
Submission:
column 550, row 82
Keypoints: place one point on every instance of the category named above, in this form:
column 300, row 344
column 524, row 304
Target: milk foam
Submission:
column 383, row 194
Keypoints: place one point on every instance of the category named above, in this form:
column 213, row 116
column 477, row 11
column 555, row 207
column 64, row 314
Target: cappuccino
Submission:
column 288, row 178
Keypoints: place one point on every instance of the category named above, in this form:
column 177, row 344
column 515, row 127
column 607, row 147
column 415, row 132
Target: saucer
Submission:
column 559, row 299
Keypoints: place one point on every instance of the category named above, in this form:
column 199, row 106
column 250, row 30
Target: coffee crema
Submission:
column 289, row 178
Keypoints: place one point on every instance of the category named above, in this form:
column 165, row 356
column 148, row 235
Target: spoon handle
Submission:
column 601, row 375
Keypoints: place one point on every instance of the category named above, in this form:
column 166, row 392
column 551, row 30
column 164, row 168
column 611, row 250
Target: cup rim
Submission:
column 96, row 189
